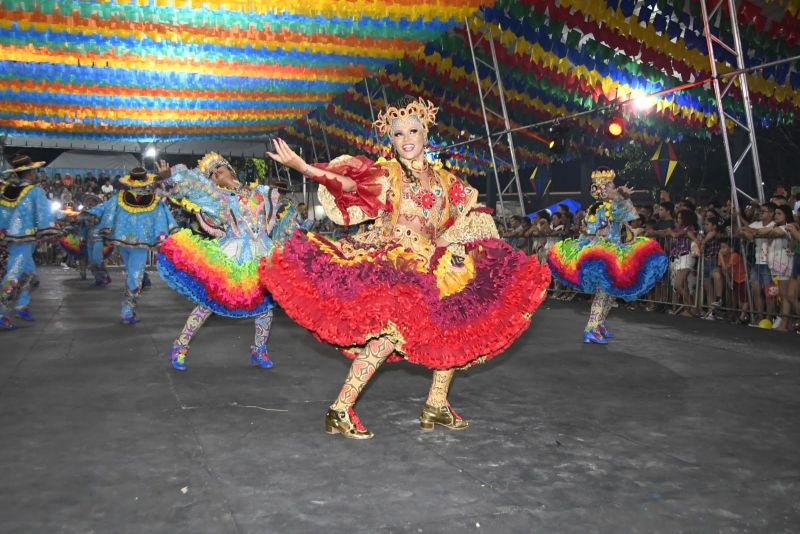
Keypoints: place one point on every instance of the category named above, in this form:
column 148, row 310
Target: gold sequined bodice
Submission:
column 422, row 202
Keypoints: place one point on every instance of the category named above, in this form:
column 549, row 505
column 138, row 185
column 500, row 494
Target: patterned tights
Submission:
column 601, row 305
column 361, row 370
column 200, row 314
column 367, row 362
column 437, row 396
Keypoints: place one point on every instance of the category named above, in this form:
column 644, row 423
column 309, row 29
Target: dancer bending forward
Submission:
column 220, row 274
column 428, row 281
column 599, row 262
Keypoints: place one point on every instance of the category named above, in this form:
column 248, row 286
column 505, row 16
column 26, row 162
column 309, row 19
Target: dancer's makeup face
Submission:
column 223, row 176
column 602, row 191
column 408, row 137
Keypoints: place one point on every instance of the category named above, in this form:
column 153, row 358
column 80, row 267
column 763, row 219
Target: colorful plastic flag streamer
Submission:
column 664, row 165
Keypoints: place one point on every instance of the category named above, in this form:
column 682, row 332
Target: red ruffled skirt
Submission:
column 442, row 314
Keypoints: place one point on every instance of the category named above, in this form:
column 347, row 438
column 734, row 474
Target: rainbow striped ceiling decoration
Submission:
column 563, row 57
column 162, row 70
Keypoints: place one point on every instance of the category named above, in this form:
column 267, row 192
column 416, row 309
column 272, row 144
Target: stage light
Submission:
column 558, row 139
column 616, row 127
column 151, row 152
column 644, row 102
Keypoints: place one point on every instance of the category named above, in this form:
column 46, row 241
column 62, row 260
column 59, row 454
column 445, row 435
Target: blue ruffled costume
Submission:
column 600, row 261
column 26, row 216
column 126, row 224
column 221, row 273
column 134, row 223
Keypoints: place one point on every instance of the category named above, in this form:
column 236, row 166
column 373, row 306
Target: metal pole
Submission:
column 369, row 101
column 313, row 144
column 485, row 118
column 325, row 139
column 718, row 97
column 743, row 87
column 715, row 83
column 507, row 124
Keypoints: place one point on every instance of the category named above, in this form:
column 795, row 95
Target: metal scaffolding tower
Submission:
column 719, row 93
column 494, row 139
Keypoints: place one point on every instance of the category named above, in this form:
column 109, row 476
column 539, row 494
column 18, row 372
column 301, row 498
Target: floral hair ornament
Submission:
column 211, row 161
column 423, row 109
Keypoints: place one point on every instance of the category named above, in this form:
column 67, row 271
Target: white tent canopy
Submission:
column 81, row 160
column 226, row 147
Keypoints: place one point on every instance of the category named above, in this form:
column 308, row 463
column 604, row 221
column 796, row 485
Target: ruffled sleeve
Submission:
column 367, row 202
column 467, row 221
column 42, row 211
column 106, row 213
column 190, row 188
column 286, row 224
column 474, row 225
column 623, row 210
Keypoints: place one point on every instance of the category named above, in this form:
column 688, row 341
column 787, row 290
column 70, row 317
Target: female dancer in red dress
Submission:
column 428, row 281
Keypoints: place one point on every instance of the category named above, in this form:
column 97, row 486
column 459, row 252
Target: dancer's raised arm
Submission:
column 285, row 155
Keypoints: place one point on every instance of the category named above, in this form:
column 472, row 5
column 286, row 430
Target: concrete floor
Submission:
column 680, row 425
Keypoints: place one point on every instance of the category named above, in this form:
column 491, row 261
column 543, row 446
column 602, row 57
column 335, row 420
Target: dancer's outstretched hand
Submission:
column 164, row 172
column 285, row 155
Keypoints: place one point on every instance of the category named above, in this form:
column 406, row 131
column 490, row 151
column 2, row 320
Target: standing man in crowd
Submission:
column 760, row 275
column 107, row 188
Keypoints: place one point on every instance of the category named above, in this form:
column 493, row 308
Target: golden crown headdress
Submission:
column 423, row 109
column 211, row 161
column 602, row 176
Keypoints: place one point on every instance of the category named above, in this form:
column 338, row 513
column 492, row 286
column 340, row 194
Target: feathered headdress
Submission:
column 423, row 109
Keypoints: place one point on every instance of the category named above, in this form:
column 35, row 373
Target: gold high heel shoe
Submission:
column 346, row 423
column 444, row 416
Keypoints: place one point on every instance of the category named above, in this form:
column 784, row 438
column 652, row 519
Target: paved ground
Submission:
column 679, row 426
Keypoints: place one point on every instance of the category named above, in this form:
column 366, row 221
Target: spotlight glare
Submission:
column 151, row 152
column 616, row 127
column 644, row 102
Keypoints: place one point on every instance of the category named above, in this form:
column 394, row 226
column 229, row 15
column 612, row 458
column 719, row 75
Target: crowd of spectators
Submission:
column 720, row 259
column 69, row 189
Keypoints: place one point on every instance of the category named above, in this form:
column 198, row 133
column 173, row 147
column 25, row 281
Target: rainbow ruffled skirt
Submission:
column 72, row 244
column 199, row 270
column 627, row 271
